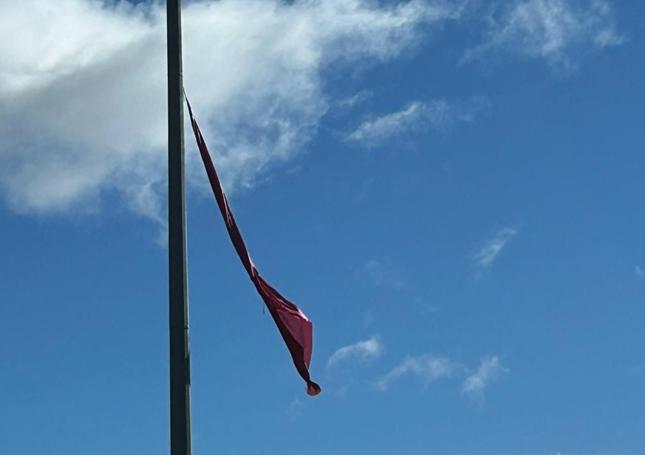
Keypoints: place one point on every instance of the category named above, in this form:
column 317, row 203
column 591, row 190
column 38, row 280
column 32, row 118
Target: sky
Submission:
column 450, row 189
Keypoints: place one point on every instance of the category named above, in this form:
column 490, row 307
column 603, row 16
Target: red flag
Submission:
column 294, row 326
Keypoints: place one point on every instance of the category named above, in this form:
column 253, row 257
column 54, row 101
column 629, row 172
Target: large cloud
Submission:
column 82, row 88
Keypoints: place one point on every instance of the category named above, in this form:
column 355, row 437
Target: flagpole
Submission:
column 178, row 286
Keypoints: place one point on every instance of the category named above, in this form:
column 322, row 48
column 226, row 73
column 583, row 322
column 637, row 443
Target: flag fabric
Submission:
column 294, row 326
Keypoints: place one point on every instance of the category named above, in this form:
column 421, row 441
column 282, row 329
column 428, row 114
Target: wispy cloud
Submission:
column 428, row 367
column 556, row 31
column 417, row 115
column 489, row 370
column 295, row 409
column 485, row 257
column 639, row 273
column 362, row 351
column 82, row 99
column 431, row 368
column 355, row 100
column 382, row 273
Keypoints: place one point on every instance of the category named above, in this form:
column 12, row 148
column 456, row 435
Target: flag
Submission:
column 294, row 326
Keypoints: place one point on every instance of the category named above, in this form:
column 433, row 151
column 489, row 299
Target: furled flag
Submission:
column 294, row 326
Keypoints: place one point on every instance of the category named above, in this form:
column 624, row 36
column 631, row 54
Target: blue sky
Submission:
column 452, row 191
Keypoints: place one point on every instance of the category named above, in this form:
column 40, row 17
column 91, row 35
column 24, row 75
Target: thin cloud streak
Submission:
column 489, row 370
column 428, row 367
column 416, row 115
column 485, row 257
column 362, row 352
column 355, row 100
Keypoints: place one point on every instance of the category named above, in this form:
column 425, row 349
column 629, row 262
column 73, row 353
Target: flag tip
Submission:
column 313, row 389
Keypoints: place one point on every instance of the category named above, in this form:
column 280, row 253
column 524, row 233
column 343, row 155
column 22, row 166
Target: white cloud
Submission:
column 554, row 30
column 436, row 114
column 82, row 98
column 489, row 252
column 363, row 351
column 489, row 370
column 428, row 367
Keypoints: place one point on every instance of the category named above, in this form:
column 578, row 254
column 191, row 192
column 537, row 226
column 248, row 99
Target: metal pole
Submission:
column 178, row 286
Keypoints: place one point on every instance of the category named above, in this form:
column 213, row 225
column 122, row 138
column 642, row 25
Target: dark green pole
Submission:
column 178, row 303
